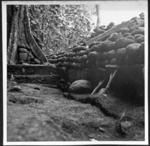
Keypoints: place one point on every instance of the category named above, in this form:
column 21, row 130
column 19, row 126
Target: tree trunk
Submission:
column 10, row 13
column 21, row 36
column 12, row 43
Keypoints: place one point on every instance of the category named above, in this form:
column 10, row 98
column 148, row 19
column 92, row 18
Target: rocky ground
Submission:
column 36, row 112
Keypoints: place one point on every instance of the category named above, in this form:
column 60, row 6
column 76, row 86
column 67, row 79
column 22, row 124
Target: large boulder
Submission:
column 123, row 42
column 114, row 36
column 121, row 55
column 121, row 51
column 133, row 47
column 99, row 31
column 139, row 30
column 129, row 36
column 134, row 53
column 113, row 61
column 80, row 87
column 92, row 58
column 107, row 45
column 110, row 54
column 124, row 30
column 96, row 47
column 139, row 38
column 141, row 54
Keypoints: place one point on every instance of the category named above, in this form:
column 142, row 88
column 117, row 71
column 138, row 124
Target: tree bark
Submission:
column 10, row 13
column 21, row 36
column 13, row 39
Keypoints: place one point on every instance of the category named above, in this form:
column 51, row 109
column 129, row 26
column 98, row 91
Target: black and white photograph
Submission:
column 75, row 72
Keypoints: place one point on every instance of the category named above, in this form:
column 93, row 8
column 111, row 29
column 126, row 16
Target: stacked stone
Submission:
column 25, row 56
column 101, row 29
column 75, row 59
column 123, row 47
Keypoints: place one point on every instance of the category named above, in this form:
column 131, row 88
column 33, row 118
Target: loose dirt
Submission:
column 41, row 113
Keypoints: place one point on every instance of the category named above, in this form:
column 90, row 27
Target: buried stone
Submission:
column 24, row 100
column 15, row 89
column 125, row 126
column 80, row 87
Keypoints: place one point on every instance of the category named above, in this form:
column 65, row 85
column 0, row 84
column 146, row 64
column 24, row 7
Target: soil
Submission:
column 37, row 112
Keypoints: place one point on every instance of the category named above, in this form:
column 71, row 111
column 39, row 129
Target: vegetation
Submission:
column 58, row 27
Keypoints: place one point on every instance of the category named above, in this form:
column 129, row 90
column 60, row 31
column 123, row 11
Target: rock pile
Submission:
column 122, row 47
column 76, row 58
column 125, row 46
column 102, row 29
column 80, row 86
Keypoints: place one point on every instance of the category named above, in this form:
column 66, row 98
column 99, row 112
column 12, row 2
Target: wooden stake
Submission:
column 97, row 87
column 103, row 90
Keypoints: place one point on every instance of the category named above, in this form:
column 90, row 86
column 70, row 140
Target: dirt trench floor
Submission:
column 37, row 112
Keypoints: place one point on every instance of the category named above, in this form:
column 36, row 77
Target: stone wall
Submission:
column 124, row 47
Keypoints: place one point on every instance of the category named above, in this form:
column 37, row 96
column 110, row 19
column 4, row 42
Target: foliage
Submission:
column 58, row 27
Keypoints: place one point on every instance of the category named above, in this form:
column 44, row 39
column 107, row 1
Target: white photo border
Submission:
column 4, row 57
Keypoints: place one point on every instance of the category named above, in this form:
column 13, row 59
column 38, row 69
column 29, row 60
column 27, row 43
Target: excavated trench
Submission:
column 40, row 112
column 41, row 108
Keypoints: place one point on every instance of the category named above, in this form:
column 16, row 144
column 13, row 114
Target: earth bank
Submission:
column 41, row 113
